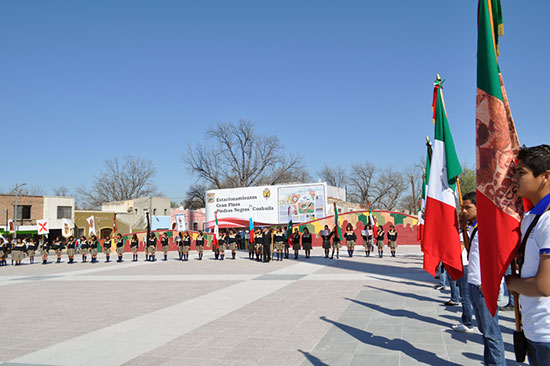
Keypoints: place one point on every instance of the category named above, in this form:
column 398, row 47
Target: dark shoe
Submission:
column 451, row 303
column 508, row 307
column 439, row 287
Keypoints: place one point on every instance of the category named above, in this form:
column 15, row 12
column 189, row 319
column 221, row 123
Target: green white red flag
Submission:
column 499, row 210
column 441, row 240
column 216, row 232
column 422, row 206
column 337, row 223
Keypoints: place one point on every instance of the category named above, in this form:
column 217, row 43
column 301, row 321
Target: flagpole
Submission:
column 462, row 222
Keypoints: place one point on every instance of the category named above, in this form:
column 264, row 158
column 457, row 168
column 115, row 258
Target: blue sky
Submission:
column 339, row 82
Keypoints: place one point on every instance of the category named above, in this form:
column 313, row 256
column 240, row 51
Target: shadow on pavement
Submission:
column 314, row 360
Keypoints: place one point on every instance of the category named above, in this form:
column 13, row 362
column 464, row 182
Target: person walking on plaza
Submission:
column 134, row 244
column 266, row 245
column 232, row 242
column 151, row 248
column 533, row 281
column 350, row 239
column 199, row 243
column 94, row 248
column 325, row 236
column 296, row 242
column 165, row 246
column 380, row 241
column 44, row 249
column 487, row 324
column 279, row 240
column 119, row 242
column 307, row 242
column 392, row 239
column 31, row 250
column 186, row 245
column 107, row 244
column 367, row 240
column 71, row 249
column 336, row 245
column 84, row 248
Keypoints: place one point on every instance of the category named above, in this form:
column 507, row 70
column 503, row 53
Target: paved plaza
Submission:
column 351, row 311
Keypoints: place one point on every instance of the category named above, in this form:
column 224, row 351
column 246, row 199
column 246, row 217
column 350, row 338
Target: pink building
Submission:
column 195, row 218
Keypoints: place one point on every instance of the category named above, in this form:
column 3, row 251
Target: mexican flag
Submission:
column 288, row 234
column 422, row 205
column 336, row 223
column 216, row 232
column 499, row 210
column 441, row 240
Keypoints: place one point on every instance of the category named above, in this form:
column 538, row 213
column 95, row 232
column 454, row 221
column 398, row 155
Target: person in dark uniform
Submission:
column 31, row 249
column 57, row 247
column 267, row 241
column 134, row 245
column 186, row 245
column 296, row 242
column 107, row 248
column 336, row 245
column 199, row 243
column 279, row 241
column 221, row 245
column 258, row 244
column 380, row 241
column 151, row 247
column 18, row 251
column 94, row 248
column 179, row 244
column 392, row 239
column 325, row 236
column 84, row 248
column 350, row 239
column 165, row 247
column 307, row 242
column 367, row 240
column 2, row 252
column 44, row 250
column 71, row 249
column 232, row 241
column 119, row 241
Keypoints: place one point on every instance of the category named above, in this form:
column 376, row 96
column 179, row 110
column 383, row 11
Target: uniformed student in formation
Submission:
column 2, row 252
column 151, row 248
column 325, row 236
column 224, row 243
column 134, row 245
column 267, row 241
column 186, row 245
column 307, row 242
column 288, row 240
column 31, row 250
column 380, row 241
column 258, row 244
column 179, row 245
column 296, row 242
column 119, row 242
column 367, row 240
column 84, row 248
column 57, row 246
column 279, row 241
column 251, row 246
column 165, row 247
column 199, row 243
column 94, row 247
column 71, row 249
column 232, row 241
column 107, row 244
column 44, row 249
column 336, row 244
column 18, row 251
column 392, row 239
column 350, row 239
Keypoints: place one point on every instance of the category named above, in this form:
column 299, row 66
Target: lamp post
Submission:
column 16, row 189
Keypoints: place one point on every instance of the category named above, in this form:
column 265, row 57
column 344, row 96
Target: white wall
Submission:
column 50, row 209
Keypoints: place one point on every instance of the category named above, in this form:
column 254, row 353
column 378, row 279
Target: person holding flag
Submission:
column 251, row 244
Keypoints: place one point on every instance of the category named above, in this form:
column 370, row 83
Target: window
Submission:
column 165, row 212
column 80, row 232
column 23, row 212
column 154, row 211
column 195, row 226
column 64, row 212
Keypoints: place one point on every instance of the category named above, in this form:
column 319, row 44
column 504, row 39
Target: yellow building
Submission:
column 104, row 222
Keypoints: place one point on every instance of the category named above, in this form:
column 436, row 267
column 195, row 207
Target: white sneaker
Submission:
column 462, row 328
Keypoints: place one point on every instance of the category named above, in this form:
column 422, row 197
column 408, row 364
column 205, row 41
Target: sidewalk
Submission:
column 351, row 311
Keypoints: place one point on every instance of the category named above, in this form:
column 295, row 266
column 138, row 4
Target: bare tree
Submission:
column 61, row 191
column 194, row 197
column 236, row 156
column 388, row 189
column 121, row 180
column 336, row 176
column 361, row 179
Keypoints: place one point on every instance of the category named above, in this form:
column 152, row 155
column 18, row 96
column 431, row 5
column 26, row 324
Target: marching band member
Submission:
column 3, row 251
column 380, row 241
column 31, row 249
column 296, row 242
column 221, row 245
column 336, row 245
column 84, row 248
column 232, row 240
column 307, row 242
column 279, row 240
column 134, row 244
column 350, row 239
column 258, row 244
column 94, row 248
column 107, row 248
column 326, row 240
column 44, row 249
column 199, row 242
column 71, row 249
column 392, row 239
column 165, row 247
column 186, row 245
column 119, row 247
column 151, row 247
column 57, row 246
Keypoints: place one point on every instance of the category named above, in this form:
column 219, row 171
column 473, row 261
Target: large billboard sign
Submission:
column 266, row 205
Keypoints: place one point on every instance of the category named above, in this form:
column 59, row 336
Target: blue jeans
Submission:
column 538, row 353
column 442, row 275
column 455, row 292
column 493, row 351
column 467, row 310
